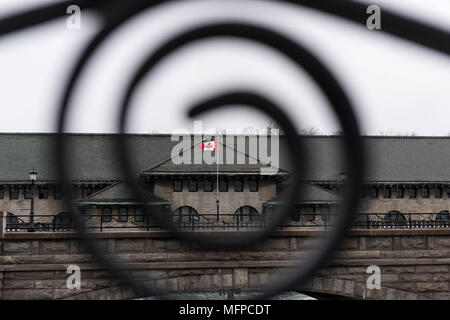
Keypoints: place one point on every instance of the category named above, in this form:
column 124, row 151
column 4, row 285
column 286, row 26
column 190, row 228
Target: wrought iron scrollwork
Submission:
column 115, row 13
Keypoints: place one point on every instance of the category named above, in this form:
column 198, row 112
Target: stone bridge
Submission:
column 414, row 264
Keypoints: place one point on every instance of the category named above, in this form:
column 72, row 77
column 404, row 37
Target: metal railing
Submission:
column 193, row 222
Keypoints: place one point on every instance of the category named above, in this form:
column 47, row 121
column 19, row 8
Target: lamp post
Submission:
column 343, row 176
column 33, row 176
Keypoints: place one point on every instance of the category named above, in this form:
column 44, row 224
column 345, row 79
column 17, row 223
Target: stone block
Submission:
column 439, row 242
column 240, row 277
column 278, row 244
column 17, row 247
column 409, row 243
column 130, row 245
column 415, row 277
column 378, row 243
column 29, row 294
column 431, row 286
column 54, row 247
column 18, row 284
column 432, row 269
column 166, row 246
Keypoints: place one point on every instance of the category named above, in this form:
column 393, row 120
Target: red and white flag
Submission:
column 209, row 146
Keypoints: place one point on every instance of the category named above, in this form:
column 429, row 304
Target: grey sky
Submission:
column 396, row 87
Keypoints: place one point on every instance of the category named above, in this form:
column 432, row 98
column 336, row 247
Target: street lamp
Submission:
column 33, row 177
column 343, row 175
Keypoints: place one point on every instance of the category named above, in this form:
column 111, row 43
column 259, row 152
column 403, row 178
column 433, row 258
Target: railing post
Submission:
column 101, row 223
column 367, row 221
column 3, row 215
column 410, row 222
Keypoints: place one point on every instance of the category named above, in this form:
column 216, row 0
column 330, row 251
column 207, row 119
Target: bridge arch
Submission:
column 315, row 287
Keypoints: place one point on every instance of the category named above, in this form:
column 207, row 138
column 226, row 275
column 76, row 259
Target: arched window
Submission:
column 12, row 222
column 62, row 221
column 185, row 214
column 444, row 215
column 246, row 213
column 395, row 218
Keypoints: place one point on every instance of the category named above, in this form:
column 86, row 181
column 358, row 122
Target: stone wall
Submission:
column 414, row 264
column 205, row 202
column 406, row 204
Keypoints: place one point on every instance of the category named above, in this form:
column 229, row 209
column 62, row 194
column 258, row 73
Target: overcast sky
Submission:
column 396, row 87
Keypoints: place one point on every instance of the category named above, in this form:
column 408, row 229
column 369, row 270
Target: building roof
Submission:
column 247, row 164
column 92, row 159
column 118, row 193
column 311, row 194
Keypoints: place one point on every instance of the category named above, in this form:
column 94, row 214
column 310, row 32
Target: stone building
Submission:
column 405, row 176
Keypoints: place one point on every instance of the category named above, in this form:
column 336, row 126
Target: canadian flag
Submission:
column 209, row 146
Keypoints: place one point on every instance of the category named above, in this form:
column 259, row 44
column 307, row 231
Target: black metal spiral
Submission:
column 117, row 13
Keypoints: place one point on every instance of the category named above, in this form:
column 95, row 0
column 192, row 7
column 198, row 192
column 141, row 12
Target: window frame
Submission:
column 176, row 187
column 373, row 193
column 192, row 185
column 15, row 191
column 237, row 182
column 107, row 217
column 43, row 192
column 223, row 185
column 122, row 217
column 425, row 192
column 438, row 192
column 412, row 192
column 140, row 215
column 399, row 192
column 255, row 186
column 28, row 193
column 210, row 184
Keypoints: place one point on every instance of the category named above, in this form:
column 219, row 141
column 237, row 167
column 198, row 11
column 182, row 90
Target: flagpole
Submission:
column 217, row 174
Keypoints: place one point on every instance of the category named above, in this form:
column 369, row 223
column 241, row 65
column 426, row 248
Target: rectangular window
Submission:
column 412, row 192
column 207, row 185
column 139, row 215
column 438, row 192
column 177, row 185
column 193, row 185
column 57, row 193
column 223, row 185
column 238, row 187
column 106, row 214
column 13, row 193
column 386, row 192
column 310, row 213
column 425, row 192
column 28, row 193
column 374, row 192
column 123, row 214
column 2, row 192
column 253, row 185
column 43, row 192
column 400, row 193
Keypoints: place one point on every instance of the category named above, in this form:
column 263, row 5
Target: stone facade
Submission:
column 414, row 264
column 205, row 202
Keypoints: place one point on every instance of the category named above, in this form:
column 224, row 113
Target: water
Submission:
column 289, row 295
